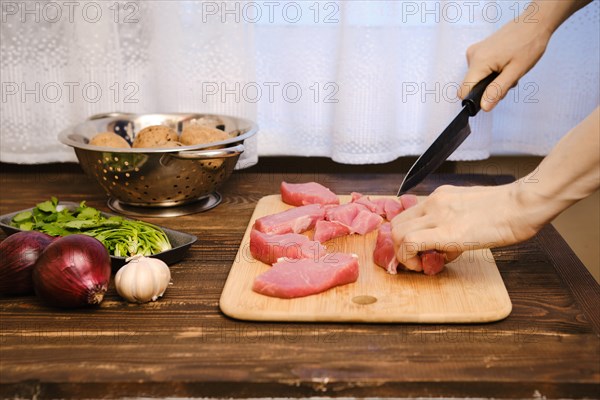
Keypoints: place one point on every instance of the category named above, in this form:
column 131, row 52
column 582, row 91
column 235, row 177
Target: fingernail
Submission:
column 486, row 105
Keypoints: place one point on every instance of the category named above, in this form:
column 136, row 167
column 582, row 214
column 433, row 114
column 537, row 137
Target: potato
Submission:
column 155, row 136
column 109, row 139
column 172, row 144
column 197, row 134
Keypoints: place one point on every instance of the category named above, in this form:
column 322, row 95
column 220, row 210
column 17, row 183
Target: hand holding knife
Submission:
column 449, row 140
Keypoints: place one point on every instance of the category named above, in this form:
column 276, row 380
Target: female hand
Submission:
column 515, row 48
column 512, row 51
column 454, row 219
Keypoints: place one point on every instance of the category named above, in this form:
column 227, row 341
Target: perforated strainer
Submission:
column 161, row 177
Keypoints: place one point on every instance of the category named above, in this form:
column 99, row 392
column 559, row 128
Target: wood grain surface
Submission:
column 183, row 346
column 469, row 289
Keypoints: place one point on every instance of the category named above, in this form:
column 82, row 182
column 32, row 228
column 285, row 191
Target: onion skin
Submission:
column 73, row 271
column 18, row 254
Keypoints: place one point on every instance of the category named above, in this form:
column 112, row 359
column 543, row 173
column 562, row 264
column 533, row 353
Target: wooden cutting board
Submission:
column 469, row 290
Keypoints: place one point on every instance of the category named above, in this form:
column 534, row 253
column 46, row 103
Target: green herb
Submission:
column 22, row 216
column 122, row 237
column 48, row 206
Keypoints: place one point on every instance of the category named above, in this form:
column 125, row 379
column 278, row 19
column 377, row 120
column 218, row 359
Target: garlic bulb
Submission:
column 142, row 279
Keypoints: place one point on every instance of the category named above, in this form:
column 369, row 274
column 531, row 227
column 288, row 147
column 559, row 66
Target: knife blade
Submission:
column 449, row 140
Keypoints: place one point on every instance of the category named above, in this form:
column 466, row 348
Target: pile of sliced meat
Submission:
column 302, row 267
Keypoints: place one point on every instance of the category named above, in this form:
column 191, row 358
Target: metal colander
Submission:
column 158, row 177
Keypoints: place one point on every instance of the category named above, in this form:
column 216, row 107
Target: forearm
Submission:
column 571, row 171
column 568, row 174
column 550, row 14
column 515, row 48
column 453, row 217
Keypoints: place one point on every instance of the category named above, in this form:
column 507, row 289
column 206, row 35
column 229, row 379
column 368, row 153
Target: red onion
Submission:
column 18, row 254
column 73, row 271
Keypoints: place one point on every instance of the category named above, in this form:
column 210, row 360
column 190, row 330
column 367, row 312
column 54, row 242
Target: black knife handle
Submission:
column 473, row 99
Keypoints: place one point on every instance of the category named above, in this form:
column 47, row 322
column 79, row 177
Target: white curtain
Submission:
column 357, row 81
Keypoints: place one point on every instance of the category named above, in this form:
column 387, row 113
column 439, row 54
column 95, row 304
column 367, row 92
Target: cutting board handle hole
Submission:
column 364, row 299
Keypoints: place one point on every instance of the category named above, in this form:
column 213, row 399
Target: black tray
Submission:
column 180, row 241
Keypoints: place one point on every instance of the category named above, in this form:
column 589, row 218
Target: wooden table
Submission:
column 184, row 346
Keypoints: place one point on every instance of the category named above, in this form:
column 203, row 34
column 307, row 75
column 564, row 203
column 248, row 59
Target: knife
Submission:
column 449, row 139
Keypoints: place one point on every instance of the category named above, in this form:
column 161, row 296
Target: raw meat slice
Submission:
column 386, row 207
column 384, row 254
column 299, row 194
column 298, row 278
column 357, row 217
column 432, row 262
column 344, row 214
column 354, row 196
column 367, row 202
column 365, row 222
column 327, row 230
column 296, row 220
column 391, row 207
column 269, row 248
